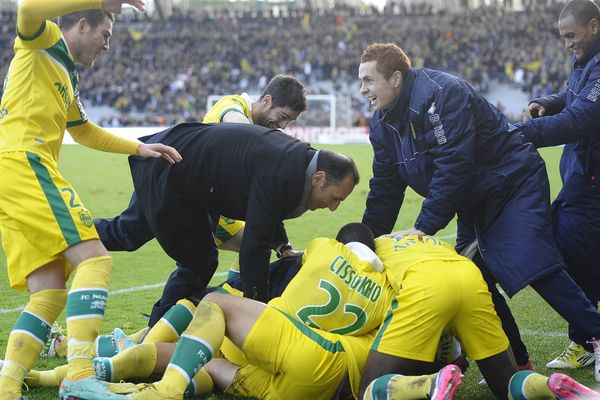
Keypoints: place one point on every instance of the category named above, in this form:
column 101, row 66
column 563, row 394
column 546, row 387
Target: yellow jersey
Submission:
column 336, row 291
column 41, row 94
column 401, row 253
column 237, row 103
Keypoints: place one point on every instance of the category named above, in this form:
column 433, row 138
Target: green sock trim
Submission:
column 34, row 326
column 178, row 317
column 103, row 368
column 190, row 354
column 516, row 386
column 105, row 346
column 86, row 303
column 379, row 387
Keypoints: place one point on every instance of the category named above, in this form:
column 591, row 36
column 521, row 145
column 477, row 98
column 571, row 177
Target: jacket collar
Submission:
column 401, row 104
column 595, row 49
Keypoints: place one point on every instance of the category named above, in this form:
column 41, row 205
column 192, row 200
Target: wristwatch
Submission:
column 282, row 248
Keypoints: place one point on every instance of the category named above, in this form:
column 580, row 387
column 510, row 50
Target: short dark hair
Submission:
column 336, row 166
column 93, row 17
column 286, row 91
column 356, row 232
column 389, row 58
column 582, row 10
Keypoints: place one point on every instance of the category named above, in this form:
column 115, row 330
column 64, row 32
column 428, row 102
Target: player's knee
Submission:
column 217, row 298
column 85, row 250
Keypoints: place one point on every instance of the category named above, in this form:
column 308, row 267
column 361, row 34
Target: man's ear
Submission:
column 318, row 178
column 397, row 79
column 82, row 25
column 267, row 101
column 594, row 25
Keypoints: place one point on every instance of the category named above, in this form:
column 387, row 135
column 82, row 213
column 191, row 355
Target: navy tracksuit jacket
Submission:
column 572, row 118
column 454, row 148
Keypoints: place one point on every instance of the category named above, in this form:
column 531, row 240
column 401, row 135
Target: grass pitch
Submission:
column 104, row 184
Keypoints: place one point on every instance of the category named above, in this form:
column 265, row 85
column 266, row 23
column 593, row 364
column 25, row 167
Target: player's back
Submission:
column 336, row 290
column 399, row 254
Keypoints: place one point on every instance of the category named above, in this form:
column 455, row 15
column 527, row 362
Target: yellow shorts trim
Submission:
column 41, row 214
column 227, row 229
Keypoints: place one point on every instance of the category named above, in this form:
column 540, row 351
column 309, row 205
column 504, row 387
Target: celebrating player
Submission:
column 46, row 230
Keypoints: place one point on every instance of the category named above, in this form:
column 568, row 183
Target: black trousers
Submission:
column 196, row 255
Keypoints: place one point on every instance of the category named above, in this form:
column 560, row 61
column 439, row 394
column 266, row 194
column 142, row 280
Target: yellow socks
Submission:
column 28, row 337
column 51, row 378
column 399, row 387
column 198, row 345
column 85, row 310
column 201, row 384
column 138, row 336
column 172, row 324
column 138, row 361
column 529, row 385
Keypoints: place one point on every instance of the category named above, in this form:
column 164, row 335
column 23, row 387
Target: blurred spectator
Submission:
column 162, row 73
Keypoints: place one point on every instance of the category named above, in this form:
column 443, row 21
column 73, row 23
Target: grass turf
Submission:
column 104, row 184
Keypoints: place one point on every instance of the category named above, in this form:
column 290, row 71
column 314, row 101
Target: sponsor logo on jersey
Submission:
column 63, row 91
column 595, row 93
column 438, row 128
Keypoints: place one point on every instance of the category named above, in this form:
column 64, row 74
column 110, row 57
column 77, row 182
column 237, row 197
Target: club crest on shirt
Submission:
column 86, row 217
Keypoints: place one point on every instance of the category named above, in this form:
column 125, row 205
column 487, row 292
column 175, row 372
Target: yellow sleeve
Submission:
column 32, row 14
column 91, row 135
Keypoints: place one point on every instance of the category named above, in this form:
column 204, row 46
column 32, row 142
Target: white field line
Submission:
column 120, row 291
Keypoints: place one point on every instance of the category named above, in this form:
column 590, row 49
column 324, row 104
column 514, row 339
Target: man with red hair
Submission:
column 431, row 131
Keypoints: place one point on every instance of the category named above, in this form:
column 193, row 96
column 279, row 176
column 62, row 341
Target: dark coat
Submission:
column 454, row 148
column 573, row 118
column 239, row 171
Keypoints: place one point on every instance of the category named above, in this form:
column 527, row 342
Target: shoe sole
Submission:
column 566, row 388
column 446, row 383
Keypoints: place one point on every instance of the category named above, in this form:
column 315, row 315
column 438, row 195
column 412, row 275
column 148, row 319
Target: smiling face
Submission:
column 578, row 37
column 264, row 113
column 91, row 41
column 380, row 92
column 329, row 196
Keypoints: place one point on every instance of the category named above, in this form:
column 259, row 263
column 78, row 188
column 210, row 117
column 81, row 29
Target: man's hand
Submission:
column 407, row 232
column 114, row 6
column 533, row 110
column 157, row 150
column 290, row 253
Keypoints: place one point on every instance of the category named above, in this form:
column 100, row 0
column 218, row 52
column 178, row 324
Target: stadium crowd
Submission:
column 162, row 72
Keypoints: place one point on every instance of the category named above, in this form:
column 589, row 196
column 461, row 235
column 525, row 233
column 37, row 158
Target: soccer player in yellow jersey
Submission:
column 437, row 289
column 46, row 230
column 288, row 359
column 337, row 289
column 281, row 102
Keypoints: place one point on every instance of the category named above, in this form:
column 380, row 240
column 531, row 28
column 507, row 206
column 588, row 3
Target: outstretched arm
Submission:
column 32, row 13
column 91, row 135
